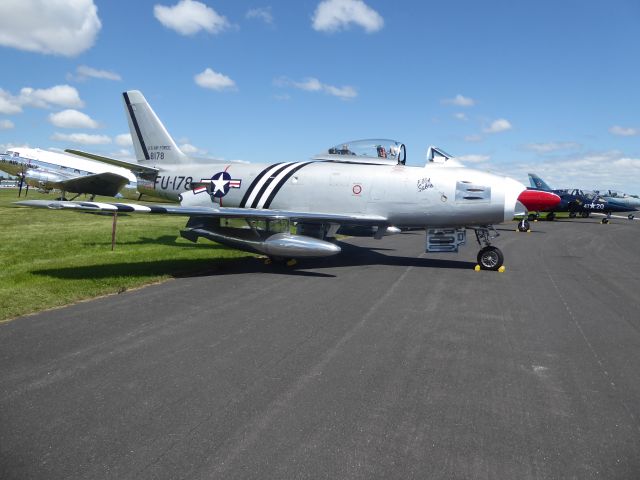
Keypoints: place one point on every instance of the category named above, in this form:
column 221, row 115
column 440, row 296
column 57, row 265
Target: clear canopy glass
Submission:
column 381, row 149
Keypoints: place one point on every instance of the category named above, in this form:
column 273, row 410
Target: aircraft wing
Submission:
column 134, row 167
column 220, row 212
column 107, row 183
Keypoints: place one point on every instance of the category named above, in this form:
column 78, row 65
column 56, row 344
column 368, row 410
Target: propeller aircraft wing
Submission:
column 106, row 183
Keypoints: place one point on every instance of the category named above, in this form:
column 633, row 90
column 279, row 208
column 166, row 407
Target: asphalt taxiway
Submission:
column 383, row 363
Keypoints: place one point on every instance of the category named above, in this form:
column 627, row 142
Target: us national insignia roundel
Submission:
column 219, row 184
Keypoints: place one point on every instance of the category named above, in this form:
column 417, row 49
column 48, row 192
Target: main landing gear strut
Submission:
column 489, row 257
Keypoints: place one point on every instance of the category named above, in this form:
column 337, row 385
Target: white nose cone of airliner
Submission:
column 512, row 207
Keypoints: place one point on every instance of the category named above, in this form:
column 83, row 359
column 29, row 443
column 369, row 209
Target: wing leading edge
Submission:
column 213, row 212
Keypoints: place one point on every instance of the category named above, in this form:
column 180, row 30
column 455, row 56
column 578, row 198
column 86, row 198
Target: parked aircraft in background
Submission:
column 579, row 202
column 353, row 184
column 631, row 201
column 48, row 170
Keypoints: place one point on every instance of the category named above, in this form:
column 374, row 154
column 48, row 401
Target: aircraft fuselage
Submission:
column 404, row 195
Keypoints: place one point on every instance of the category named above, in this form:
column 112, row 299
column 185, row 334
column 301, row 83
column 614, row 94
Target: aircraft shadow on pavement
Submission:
column 169, row 240
column 352, row 256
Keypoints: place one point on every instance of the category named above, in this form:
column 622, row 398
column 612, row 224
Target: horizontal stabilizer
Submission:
column 134, row 167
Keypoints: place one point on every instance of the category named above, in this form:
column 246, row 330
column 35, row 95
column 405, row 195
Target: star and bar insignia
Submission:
column 217, row 186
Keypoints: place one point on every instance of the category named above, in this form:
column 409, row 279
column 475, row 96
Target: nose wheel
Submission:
column 490, row 258
column 523, row 225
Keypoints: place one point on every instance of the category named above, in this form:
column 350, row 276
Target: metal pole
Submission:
column 113, row 231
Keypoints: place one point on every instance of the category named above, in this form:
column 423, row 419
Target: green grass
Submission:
column 53, row 258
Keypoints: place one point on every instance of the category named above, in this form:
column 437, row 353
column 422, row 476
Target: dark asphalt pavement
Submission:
column 385, row 363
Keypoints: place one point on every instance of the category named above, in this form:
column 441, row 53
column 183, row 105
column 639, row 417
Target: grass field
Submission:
column 52, row 258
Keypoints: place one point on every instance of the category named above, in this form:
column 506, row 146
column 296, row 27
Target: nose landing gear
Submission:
column 523, row 225
column 489, row 257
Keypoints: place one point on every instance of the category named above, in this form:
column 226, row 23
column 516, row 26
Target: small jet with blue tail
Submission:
column 578, row 202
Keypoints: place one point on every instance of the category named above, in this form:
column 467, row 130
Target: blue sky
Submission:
column 511, row 86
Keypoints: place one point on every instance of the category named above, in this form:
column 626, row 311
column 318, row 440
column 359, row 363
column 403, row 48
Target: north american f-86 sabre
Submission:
column 354, row 184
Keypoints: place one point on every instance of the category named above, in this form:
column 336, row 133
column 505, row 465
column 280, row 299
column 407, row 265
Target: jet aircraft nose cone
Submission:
column 538, row 201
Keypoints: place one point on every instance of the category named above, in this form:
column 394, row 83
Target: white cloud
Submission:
column 314, row 85
column 188, row 17
column 551, row 146
column 214, row 80
column 624, row 131
column 473, row 158
column 460, row 116
column 497, row 126
column 263, row 14
column 81, row 138
column 459, row 101
column 6, row 124
column 631, row 163
column 334, row 15
column 123, row 154
column 61, row 95
column 83, row 72
column 189, row 149
column 124, row 140
column 594, row 170
column 72, row 119
column 61, row 27
column 9, row 104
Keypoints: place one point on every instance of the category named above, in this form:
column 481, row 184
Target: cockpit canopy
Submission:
column 587, row 194
column 376, row 150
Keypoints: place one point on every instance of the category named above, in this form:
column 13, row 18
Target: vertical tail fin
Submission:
column 151, row 141
column 536, row 182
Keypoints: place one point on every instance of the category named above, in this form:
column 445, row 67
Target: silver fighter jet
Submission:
column 254, row 206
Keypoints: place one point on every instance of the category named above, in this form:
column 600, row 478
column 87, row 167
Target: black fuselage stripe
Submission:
column 247, row 194
column 277, row 172
column 135, row 125
column 282, row 182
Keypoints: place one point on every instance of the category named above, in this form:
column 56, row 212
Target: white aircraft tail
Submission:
column 151, row 141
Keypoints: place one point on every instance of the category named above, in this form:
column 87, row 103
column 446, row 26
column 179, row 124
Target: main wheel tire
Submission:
column 490, row 258
column 572, row 214
column 605, row 220
column 631, row 216
column 523, row 225
column 532, row 217
column 551, row 217
column 584, row 214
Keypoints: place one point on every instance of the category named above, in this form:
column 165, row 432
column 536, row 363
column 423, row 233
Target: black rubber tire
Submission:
column 490, row 258
column 551, row 217
column 523, row 225
column 605, row 220
column 584, row 214
column 532, row 217
column 572, row 214
column 631, row 216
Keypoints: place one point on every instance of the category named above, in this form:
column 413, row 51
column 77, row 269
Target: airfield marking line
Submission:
column 593, row 351
column 276, row 407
